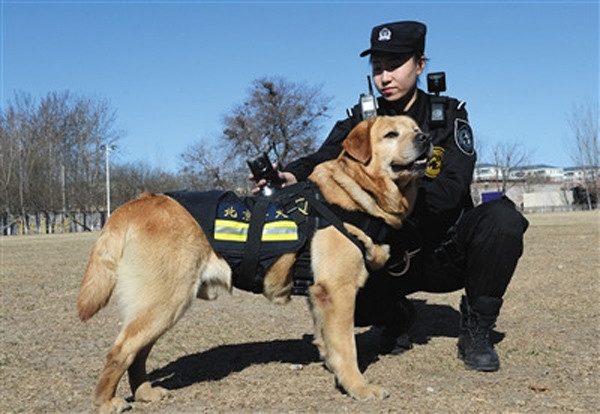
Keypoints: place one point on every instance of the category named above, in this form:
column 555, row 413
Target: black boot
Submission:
column 474, row 344
column 394, row 337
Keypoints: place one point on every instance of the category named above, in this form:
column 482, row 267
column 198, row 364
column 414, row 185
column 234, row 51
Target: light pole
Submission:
column 107, row 149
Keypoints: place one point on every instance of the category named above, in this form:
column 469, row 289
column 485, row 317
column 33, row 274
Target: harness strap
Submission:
column 247, row 269
column 302, row 275
column 252, row 246
column 374, row 227
column 335, row 221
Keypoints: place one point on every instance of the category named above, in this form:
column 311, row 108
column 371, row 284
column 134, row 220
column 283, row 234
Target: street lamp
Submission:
column 107, row 149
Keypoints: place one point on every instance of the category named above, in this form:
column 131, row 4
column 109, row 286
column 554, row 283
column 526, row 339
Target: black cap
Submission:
column 398, row 37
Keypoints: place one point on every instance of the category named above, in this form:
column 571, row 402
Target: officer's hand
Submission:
column 287, row 178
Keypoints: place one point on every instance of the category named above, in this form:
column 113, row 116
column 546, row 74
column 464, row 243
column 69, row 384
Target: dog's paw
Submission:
column 114, row 406
column 148, row 393
column 369, row 392
column 378, row 256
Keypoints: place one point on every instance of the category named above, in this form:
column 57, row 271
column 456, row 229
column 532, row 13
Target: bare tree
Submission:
column 18, row 153
column 49, row 152
column 9, row 155
column 130, row 180
column 208, row 166
column 278, row 116
column 508, row 157
column 584, row 146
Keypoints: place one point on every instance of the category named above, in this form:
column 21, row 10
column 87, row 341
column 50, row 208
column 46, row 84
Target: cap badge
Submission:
column 384, row 35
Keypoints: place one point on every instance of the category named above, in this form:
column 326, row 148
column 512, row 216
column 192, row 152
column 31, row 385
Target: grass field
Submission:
column 243, row 354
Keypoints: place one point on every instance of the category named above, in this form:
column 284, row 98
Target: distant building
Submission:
column 577, row 175
column 534, row 188
column 539, row 172
column 487, row 172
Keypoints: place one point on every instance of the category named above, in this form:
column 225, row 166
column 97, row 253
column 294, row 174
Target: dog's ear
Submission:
column 358, row 142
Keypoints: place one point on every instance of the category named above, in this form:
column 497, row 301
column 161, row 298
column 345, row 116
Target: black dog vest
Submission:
column 252, row 232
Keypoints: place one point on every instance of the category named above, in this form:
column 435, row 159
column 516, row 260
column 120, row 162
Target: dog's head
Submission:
column 390, row 145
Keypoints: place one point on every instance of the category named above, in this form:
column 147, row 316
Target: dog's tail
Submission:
column 101, row 273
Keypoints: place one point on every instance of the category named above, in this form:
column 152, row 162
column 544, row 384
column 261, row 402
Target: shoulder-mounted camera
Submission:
column 436, row 83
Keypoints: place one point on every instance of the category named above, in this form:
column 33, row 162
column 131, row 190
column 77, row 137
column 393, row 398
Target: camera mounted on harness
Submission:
column 262, row 168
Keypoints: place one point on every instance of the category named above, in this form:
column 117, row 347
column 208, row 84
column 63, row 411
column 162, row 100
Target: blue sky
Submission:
column 172, row 70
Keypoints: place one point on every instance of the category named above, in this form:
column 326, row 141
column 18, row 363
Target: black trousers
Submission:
column 490, row 239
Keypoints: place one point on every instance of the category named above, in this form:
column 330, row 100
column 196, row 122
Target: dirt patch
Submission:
column 242, row 354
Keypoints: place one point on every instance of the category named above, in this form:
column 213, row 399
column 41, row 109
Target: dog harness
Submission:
column 252, row 232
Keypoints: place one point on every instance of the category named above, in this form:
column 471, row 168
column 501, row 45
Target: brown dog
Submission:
column 158, row 259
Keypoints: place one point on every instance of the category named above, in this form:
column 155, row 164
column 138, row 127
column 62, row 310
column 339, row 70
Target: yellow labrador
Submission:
column 158, row 259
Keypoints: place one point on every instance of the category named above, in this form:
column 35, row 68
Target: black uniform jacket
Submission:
column 444, row 192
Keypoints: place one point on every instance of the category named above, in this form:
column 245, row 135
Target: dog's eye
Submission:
column 391, row 134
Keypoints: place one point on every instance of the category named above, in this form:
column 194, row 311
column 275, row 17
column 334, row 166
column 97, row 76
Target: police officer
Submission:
column 447, row 243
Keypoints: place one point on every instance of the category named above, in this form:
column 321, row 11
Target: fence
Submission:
column 50, row 223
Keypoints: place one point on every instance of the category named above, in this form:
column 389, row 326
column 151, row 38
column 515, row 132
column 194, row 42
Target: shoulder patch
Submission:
column 463, row 136
column 434, row 165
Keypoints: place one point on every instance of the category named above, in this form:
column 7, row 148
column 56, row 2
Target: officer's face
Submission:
column 395, row 75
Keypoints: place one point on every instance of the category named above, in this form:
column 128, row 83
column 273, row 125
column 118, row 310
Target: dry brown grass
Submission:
column 239, row 353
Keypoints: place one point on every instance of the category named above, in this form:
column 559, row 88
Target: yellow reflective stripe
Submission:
column 230, row 230
column 283, row 230
column 284, row 224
